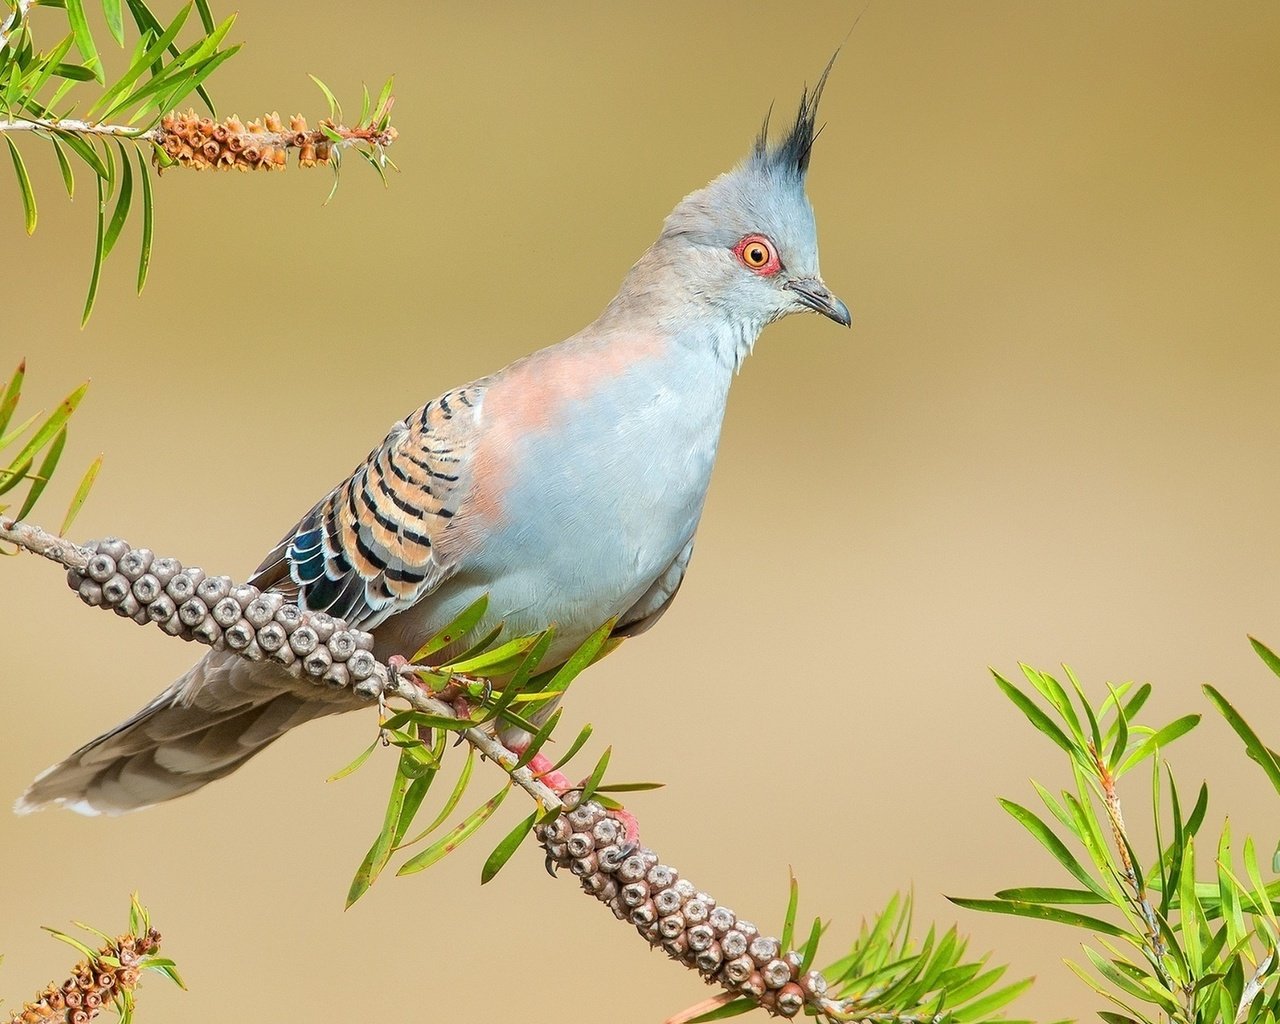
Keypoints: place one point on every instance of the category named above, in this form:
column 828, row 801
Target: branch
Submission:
column 667, row 910
column 200, row 142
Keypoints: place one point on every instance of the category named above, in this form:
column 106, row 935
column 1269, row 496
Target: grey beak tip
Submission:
column 814, row 294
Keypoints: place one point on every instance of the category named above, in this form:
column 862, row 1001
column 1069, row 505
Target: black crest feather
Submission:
column 790, row 156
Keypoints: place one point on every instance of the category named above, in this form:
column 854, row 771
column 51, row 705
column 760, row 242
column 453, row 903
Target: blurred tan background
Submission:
column 1051, row 436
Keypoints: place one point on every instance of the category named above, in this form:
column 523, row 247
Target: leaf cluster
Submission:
column 1183, row 932
column 891, row 975
column 38, row 91
column 527, row 700
column 37, row 439
column 109, row 125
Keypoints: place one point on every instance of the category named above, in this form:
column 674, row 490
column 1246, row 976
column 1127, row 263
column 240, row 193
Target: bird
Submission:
column 568, row 486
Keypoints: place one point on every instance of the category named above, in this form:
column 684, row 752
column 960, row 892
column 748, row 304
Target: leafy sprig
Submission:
column 37, row 445
column 1171, row 943
column 123, row 119
column 525, row 701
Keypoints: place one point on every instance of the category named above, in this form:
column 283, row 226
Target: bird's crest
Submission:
column 790, row 156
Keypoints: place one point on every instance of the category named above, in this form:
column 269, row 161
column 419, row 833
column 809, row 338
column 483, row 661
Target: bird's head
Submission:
column 747, row 242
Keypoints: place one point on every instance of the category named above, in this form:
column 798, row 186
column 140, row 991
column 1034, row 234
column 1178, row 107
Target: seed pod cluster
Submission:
column 200, row 142
column 672, row 913
column 91, row 986
column 258, row 625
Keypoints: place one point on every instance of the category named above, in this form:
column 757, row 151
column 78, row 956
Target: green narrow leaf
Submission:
column 84, row 39
column 597, row 773
column 1136, row 702
column 1050, row 895
column 114, row 14
column 18, row 431
column 1268, row 656
column 504, row 657
column 64, row 165
column 1034, row 715
column 1159, row 739
column 1228, row 891
column 582, row 657
column 457, row 629
column 206, row 16
column 810, row 949
column 360, row 759
column 124, row 199
column 385, row 94
column 1042, row 913
column 380, row 852
column 1196, row 817
column 85, row 152
column 335, row 161
column 44, row 473
column 74, row 72
column 736, row 1008
column 630, row 787
column 1053, row 692
column 98, row 255
column 89, row 954
column 418, row 790
column 1122, row 734
column 55, row 422
column 503, row 851
column 138, row 921
column 373, row 162
column 574, row 747
column 459, row 788
column 444, row 846
column 166, row 967
column 789, row 921
column 539, row 739
column 1189, row 910
column 148, row 222
column 364, row 103
column 980, row 1009
column 1256, row 749
column 1088, row 709
column 1036, row 826
column 11, row 395
column 335, row 108
column 82, row 493
column 24, row 186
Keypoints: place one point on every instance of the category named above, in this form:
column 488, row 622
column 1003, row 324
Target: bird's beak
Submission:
column 814, row 294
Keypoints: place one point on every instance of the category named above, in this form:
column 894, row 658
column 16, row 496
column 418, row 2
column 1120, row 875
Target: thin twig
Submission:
column 71, row 126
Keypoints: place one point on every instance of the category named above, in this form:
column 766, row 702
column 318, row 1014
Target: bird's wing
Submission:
column 657, row 599
column 372, row 546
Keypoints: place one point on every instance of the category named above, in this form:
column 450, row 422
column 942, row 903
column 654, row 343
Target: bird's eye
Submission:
column 757, row 253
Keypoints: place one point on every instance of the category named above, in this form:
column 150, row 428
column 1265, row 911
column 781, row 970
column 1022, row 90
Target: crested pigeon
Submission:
column 567, row 486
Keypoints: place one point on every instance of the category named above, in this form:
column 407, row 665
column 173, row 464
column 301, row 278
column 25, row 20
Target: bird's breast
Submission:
column 589, row 479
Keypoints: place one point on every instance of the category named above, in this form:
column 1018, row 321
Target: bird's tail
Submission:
column 204, row 726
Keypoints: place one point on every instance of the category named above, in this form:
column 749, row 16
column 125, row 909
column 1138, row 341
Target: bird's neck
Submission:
column 656, row 297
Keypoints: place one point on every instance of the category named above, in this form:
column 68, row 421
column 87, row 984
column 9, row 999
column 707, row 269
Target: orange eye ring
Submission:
column 757, row 254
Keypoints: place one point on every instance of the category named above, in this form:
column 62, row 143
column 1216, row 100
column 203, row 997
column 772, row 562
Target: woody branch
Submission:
column 201, row 142
column 668, row 910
